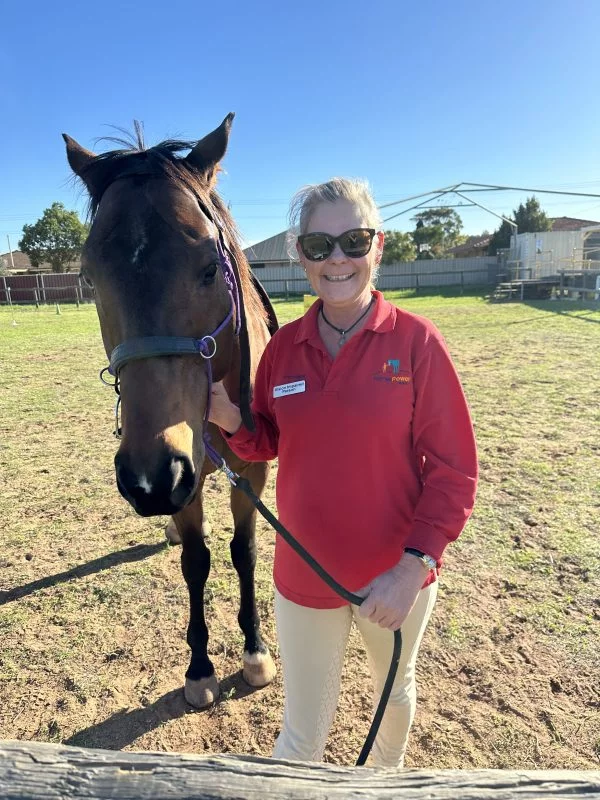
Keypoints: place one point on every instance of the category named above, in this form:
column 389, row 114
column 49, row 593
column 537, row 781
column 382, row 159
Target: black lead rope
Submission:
column 244, row 485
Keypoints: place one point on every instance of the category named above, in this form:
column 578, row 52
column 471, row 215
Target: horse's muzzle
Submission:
column 166, row 491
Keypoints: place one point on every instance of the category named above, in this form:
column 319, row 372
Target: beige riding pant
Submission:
column 312, row 644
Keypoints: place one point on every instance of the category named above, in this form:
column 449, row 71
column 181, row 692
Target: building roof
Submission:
column 23, row 264
column 273, row 249
column 570, row 223
column 473, row 243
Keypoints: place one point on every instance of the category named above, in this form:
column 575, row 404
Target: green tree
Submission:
column 436, row 231
column 530, row 218
column 57, row 237
column 398, row 247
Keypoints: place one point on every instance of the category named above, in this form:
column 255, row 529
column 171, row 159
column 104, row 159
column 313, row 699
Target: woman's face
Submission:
column 340, row 280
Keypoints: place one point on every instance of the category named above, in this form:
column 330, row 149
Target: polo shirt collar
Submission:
column 381, row 320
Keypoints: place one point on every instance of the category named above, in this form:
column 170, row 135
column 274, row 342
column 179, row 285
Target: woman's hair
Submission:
column 353, row 190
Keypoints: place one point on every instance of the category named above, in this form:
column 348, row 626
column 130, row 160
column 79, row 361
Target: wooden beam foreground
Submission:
column 39, row 771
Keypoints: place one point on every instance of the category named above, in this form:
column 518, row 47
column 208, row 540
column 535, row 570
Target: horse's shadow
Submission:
column 125, row 727
column 136, row 553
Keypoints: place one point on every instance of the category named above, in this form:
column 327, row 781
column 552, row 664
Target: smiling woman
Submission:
column 377, row 470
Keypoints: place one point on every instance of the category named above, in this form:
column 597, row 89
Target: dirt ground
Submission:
column 93, row 607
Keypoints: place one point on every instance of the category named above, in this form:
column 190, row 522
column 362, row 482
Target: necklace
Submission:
column 344, row 331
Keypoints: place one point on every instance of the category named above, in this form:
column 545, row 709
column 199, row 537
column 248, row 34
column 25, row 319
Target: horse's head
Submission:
column 152, row 256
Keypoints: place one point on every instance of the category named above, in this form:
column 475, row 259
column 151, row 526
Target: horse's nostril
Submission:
column 184, row 479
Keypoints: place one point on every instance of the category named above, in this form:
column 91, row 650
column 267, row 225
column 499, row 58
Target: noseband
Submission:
column 152, row 346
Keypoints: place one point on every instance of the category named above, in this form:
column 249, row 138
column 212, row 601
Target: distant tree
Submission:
column 436, row 231
column 530, row 218
column 398, row 247
column 57, row 237
column 500, row 238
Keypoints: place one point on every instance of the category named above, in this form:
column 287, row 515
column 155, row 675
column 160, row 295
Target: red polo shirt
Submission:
column 376, row 448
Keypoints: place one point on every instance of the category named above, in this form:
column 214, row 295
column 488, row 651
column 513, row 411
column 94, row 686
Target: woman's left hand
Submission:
column 391, row 595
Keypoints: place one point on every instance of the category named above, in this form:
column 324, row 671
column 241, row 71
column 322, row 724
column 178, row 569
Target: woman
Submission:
column 377, row 470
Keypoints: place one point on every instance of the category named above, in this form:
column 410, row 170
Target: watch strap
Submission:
column 429, row 561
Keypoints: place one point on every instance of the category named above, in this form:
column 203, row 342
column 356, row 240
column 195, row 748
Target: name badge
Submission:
column 289, row 388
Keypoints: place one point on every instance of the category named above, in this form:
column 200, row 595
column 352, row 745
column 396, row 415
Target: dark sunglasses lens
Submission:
column 317, row 246
column 356, row 243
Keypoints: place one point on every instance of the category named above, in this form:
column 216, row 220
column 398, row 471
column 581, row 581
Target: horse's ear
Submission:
column 209, row 151
column 78, row 157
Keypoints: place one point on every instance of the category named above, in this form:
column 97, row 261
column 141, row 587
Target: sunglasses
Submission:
column 354, row 243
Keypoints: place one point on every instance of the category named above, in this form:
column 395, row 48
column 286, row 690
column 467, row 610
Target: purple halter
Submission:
column 151, row 346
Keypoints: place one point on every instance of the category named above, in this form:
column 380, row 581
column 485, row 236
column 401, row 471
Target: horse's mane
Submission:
column 163, row 161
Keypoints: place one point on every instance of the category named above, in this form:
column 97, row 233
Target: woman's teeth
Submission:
column 338, row 277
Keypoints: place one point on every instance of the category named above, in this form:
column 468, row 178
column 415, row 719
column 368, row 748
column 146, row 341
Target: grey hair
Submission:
column 353, row 190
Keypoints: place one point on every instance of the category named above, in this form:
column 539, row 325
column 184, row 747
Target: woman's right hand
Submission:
column 223, row 412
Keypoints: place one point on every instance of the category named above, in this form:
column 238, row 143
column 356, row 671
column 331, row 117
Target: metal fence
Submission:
column 287, row 281
column 462, row 272
column 39, row 289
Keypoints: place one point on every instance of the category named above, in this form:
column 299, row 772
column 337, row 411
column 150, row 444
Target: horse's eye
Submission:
column 209, row 274
column 87, row 282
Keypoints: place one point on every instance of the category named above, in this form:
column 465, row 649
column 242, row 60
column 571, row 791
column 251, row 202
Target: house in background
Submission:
column 271, row 252
column 22, row 264
column 473, row 247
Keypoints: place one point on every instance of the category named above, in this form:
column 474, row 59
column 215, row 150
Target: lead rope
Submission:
column 244, row 485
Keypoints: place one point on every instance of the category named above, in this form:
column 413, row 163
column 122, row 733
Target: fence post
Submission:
column 287, row 290
column 462, row 282
column 43, row 288
column 5, row 287
column 417, row 282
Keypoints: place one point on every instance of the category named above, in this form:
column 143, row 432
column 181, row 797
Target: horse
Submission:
column 161, row 254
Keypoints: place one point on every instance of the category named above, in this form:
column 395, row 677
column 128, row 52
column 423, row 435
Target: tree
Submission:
column 436, row 231
column 529, row 219
column 398, row 247
column 57, row 237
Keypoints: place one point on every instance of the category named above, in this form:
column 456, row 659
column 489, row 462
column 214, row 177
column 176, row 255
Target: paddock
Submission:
column 93, row 606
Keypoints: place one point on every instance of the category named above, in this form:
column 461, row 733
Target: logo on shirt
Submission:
column 390, row 372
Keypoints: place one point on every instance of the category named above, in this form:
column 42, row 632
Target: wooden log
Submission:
column 39, row 771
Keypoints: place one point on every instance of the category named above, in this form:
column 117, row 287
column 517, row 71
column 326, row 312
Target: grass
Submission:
column 518, row 605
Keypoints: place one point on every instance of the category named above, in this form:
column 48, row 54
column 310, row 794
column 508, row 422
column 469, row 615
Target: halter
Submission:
column 143, row 347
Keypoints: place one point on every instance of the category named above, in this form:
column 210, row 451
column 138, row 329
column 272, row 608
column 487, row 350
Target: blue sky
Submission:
column 410, row 95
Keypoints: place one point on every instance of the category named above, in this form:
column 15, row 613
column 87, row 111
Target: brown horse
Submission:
column 153, row 255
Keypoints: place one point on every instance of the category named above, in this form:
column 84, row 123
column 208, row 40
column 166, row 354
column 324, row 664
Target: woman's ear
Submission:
column 380, row 237
column 300, row 255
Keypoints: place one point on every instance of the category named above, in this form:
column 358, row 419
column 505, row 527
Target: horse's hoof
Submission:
column 259, row 669
column 201, row 693
column 171, row 533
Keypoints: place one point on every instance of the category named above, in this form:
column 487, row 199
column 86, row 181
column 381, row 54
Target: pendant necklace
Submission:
column 344, row 331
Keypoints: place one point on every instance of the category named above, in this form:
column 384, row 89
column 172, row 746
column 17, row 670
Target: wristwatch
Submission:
column 429, row 561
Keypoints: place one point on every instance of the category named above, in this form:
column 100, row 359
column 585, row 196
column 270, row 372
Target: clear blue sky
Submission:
column 410, row 95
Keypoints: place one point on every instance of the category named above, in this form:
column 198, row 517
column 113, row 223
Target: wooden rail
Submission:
column 36, row 771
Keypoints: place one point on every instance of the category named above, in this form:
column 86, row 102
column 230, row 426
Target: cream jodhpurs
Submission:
column 312, row 644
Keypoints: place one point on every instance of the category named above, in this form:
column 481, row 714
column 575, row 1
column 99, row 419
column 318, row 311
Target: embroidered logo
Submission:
column 392, row 364
column 391, row 373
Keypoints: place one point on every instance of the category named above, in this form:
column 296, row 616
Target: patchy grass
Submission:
column 93, row 606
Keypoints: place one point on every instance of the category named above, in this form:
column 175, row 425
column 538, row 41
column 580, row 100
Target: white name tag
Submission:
column 289, row 388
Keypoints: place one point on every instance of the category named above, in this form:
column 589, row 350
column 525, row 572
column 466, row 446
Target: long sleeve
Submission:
column 262, row 445
column 444, row 445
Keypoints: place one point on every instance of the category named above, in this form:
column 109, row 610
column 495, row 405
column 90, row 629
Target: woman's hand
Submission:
column 391, row 595
column 223, row 412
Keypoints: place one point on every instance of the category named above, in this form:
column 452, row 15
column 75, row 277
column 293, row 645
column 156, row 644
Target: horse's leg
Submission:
column 201, row 686
column 172, row 534
column 259, row 669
